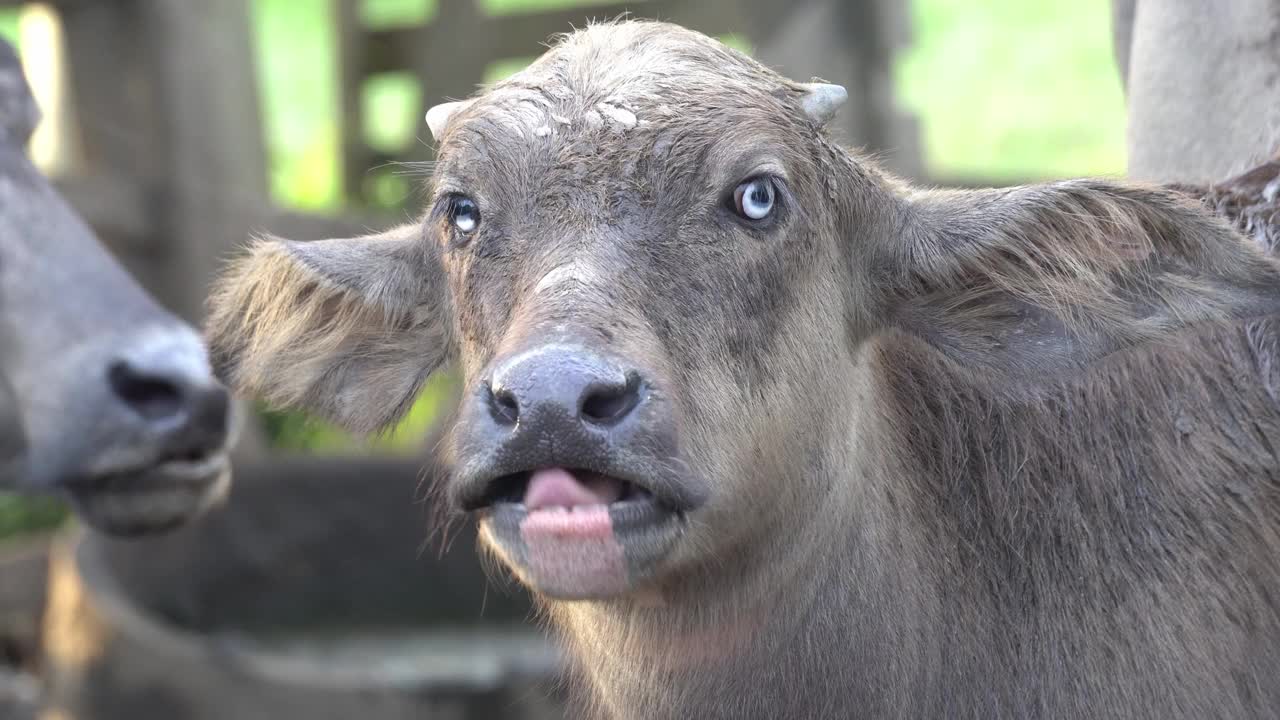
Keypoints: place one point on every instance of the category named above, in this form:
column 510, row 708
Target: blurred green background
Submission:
column 1004, row 89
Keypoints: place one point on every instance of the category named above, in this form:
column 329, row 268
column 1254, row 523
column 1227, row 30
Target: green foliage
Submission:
column 396, row 13
column 9, row 25
column 297, row 431
column 389, row 101
column 22, row 514
column 296, row 56
column 1009, row 89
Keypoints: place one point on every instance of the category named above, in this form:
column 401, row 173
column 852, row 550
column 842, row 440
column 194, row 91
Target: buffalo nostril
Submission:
column 608, row 404
column 151, row 397
column 503, row 405
column 210, row 416
column 207, row 427
column 190, row 416
column 212, row 409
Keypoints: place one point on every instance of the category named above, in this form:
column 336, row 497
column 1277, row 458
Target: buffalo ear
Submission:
column 1047, row 278
column 348, row 329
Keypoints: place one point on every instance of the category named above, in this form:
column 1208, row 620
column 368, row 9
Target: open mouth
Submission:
column 553, row 488
column 574, row 533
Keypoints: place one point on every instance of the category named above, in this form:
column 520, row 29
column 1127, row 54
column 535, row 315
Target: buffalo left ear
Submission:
column 349, row 329
column 1041, row 279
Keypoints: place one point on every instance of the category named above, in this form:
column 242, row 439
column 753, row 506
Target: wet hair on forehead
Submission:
column 630, row 61
column 616, row 78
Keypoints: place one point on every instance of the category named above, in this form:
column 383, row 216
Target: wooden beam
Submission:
column 396, row 49
column 215, row 178
column 354, row 47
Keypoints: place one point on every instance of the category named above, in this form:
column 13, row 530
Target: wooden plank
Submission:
column 354, row 48
column 120, row 137
column 215, row 178
column 396, row 49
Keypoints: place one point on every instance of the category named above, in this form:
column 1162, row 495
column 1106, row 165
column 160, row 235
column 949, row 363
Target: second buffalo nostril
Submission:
column 151, row 397
column 503, row 405
column 609, row 404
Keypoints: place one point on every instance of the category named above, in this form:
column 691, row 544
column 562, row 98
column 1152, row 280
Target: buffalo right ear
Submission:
column 1032, row 282
column 347, row 329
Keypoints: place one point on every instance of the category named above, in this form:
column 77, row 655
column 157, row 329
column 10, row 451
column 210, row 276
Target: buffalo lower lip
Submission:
column 632, row 514
column 586, row 551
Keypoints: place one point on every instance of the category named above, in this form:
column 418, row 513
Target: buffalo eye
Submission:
column 754, row 199
column 464, row 214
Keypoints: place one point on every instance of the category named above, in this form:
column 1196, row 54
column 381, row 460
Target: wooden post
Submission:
column 216, row 179
column 353, row 54
column 119, row 122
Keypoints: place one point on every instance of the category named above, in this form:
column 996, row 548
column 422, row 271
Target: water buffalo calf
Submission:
column 770, row 433
column 103, row 395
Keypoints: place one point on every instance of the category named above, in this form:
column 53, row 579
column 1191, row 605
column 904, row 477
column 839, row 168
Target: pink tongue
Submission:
column 557, row 487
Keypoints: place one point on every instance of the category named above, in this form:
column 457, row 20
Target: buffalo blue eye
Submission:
column 464, row 213
column 754, row 199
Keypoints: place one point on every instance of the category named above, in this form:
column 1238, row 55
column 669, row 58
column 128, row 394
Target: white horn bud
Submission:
column 822, row 101
column 438, row 117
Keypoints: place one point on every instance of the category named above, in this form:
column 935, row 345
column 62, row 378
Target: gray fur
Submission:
column 1004, row 453
column 347, row 328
